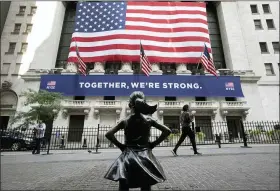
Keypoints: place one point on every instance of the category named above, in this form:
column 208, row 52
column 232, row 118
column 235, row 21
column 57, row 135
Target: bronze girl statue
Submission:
column 137, row 167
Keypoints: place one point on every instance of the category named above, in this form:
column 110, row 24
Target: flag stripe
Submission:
column 167, row 30
column 169, row 17
column 134, row 43
column 173, row 26
column 129, row 52
column 165, row 12
column 176, row 30
column 167, row 5
column 96, row 48
column 128, row 58
column 140, row 32
column 166, row 21
column 188, row 40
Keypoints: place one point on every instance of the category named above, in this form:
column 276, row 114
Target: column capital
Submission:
column 98, row 68
column 156, row 69
column 126, row 68
column 71, row 68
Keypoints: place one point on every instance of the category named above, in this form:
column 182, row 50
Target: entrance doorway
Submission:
column 76, row 128
column 173, row 122
column 4, row 120
column 234, row 127
column 205, row 124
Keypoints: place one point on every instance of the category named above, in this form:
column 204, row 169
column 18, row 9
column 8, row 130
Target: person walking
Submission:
column 185, row 120
column 137, row 167
column 39, row 135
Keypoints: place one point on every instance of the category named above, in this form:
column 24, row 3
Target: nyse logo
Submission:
column 51, row 85
column 229, row 86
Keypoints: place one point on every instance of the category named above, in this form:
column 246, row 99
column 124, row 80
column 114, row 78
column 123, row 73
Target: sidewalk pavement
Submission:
column 228, row 168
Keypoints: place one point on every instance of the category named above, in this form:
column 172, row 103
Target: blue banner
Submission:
column 155, row 85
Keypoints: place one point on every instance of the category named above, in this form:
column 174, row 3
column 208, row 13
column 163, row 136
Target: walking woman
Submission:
column 137, row 167
column 185, row 120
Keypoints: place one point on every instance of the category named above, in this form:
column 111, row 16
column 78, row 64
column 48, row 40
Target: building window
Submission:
column 17, row 28
column 23, row 47
column 200, row 98
column 269, row 69
column 79, row 97
column 254, row 9
column 263, row 47
column 21, row 11
column 28, row 28
column 266, row 8
column 109, row 98
column 230, row 98
column 5, row 68
column 275, row 47
column 12, row 47
column 33, row 11
column 270, row 24
column 16, row 70
column 258, row 24
column 170, row 98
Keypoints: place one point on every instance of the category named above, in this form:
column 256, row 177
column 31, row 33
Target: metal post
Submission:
column 49, row 143
column 218, row 140
column 62, row 142
column 85, row 143
column 97, row 141
column 244, row 135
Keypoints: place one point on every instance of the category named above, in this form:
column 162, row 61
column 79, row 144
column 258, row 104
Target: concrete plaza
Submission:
column 227, row 168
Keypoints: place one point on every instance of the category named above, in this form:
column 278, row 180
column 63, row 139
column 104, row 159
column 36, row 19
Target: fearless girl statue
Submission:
column 137, row 167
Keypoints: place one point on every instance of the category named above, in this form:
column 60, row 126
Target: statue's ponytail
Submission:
column 138, row 103
column 142, row 107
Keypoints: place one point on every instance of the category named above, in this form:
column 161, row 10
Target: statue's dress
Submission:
column 137, row 164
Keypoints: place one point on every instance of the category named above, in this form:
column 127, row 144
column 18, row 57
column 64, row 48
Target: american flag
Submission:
column 110, row 31
column 229, row 85
column 207, row 62
column 51, row 83
column 144, row 62
column 82, row 67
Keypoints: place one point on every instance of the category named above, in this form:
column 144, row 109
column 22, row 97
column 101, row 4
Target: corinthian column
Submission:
column 181, row 69
column 71, row 68
column 126, row 68
column 98, row 68
column 156, row 69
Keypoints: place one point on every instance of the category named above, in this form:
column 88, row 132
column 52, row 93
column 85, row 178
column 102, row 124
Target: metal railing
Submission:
column 76, row 103
column 234, row 104
column 263, row 132
column 170, row 104
column 108, row 103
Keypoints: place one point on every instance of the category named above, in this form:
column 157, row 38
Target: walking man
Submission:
column 40, row 133
column 185, row 120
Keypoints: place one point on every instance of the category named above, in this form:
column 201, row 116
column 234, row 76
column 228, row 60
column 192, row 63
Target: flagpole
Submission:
column 198, row 63
column 138, row 75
